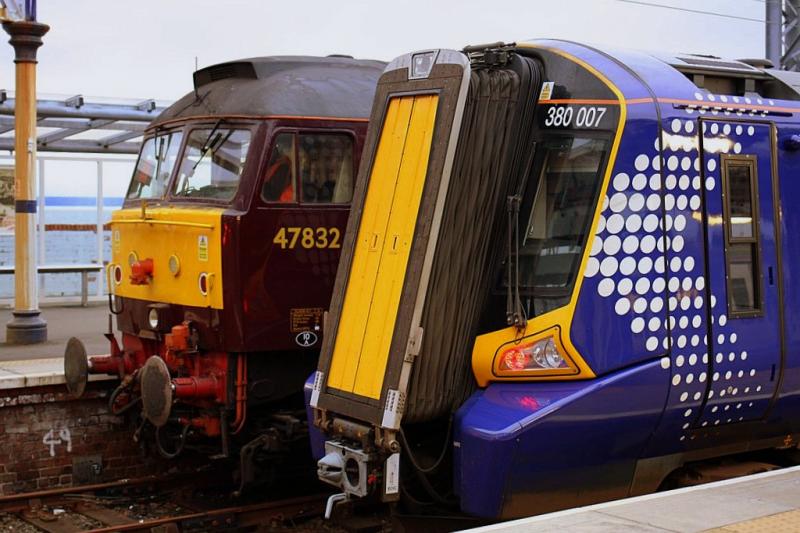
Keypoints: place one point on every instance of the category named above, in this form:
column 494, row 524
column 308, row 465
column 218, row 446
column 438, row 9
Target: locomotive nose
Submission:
column 156, row 386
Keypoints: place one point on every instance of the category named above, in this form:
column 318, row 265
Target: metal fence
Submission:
column 75, row 237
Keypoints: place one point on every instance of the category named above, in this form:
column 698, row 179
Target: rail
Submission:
column 56, row 510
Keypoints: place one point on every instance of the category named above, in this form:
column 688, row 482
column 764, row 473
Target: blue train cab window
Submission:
column 561, row 212
column 212, row 163
column 741, row 235
column 325, row 163
column 154, row 166
column 279, row 179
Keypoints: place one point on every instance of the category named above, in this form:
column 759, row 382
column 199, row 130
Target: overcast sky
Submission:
column 147, row 48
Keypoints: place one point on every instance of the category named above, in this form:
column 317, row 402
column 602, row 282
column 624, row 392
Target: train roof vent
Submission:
column 344, row 56
column 715, row 63
column 757, row 62
column 237, row 69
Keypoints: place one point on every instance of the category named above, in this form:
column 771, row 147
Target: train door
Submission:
column 744, row 348
column 302, row 205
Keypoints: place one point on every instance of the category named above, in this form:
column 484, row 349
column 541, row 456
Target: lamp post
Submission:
column 27, row 325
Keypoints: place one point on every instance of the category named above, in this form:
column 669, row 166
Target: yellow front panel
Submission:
column 384, row 240
column 193, row 235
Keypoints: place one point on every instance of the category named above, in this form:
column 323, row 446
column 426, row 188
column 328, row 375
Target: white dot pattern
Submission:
column 650, row 262
column 732, row 379
column 626, row 248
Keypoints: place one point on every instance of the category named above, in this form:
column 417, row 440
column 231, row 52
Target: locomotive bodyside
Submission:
column 643, row 271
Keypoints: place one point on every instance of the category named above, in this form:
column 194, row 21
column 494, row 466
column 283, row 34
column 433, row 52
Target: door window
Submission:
column 279, row 178
column 325, row 162
column 741, row 235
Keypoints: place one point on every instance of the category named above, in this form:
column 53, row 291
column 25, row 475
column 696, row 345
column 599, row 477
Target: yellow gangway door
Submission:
column 382, row 247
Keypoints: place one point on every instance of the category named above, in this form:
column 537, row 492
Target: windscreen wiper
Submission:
column 207, row 145
column 515, row 312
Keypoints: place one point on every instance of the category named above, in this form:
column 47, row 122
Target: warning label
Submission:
column 202, row 248
column 305, row 319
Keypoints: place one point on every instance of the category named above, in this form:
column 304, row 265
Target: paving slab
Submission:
column 36, row 373
column 87, row 323
column 762, row 502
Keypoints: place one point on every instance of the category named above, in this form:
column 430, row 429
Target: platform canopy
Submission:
column 82, row 125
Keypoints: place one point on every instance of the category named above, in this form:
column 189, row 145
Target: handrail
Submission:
column 162, row 222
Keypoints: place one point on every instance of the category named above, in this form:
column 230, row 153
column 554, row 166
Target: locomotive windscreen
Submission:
column 493, row 150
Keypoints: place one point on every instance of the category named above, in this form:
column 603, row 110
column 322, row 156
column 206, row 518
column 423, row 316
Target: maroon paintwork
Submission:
column 262, row 281
column 249, row 353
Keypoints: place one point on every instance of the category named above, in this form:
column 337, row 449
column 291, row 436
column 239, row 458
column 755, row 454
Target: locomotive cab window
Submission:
column 212, row 163
column 325, row 162
column 558, row 208
column 320, row 165
column 741, row 235
column 154, row 166
column 279, row 178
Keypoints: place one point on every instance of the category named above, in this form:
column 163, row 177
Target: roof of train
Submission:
column 335, row 87
column 647, row 73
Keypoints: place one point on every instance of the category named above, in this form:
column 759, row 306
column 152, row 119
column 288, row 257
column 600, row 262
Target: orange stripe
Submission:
column 253, row 117
column 577, row 101
column 695, row 103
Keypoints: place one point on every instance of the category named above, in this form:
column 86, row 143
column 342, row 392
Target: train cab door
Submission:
column 743, row 300
column 296, row 235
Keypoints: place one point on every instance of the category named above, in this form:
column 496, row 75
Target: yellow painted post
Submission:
column 26, row 326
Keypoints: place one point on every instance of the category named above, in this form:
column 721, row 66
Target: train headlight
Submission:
column 174, row 265
column 152, row 318
column 422, row 64
column 132, row 258
column 541, row 356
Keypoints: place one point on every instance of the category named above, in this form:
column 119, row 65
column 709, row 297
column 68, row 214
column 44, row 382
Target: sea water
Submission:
column 65, row 247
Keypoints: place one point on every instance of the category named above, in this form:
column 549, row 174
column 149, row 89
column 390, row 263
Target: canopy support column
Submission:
column 27, row 326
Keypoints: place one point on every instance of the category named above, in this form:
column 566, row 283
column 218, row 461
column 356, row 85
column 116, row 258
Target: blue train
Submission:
column 569, row 272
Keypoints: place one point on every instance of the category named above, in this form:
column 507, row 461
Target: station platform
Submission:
column 39, row 365
column 768, row 502
column 86, row 323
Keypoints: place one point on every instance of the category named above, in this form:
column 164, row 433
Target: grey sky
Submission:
column 147, row 48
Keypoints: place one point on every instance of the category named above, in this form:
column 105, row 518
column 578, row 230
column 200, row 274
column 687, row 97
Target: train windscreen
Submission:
column 154, row 166
column 212, row 163
column 562, row 206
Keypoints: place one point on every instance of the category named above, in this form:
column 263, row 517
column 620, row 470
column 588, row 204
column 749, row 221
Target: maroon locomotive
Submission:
column 225, row 251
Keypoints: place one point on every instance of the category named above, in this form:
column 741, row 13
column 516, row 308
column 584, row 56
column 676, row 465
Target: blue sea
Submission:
column 63, row 247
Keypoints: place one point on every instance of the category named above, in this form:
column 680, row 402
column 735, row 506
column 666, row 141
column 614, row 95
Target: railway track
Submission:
column 152, row 504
